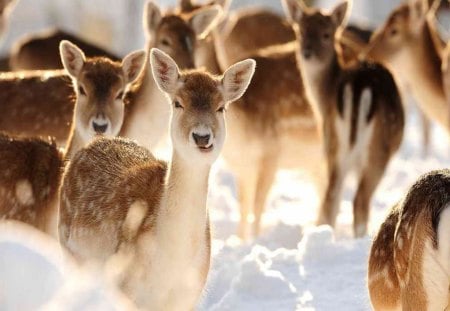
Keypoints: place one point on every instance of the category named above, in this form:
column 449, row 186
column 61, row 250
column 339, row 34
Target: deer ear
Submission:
column 204, row 20
column 340, row 13
column 152, row 17
column 224, row 4
column 293, row 9
column 72, row 58
column 165, row 71
column 132, row 65
column 236, row 79
column 185, row 5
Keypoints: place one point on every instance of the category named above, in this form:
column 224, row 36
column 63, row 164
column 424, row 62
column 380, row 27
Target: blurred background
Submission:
column 116, row 24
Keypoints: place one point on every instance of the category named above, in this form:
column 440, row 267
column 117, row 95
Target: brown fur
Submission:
column 29, row 180
column 400, row 245
column 40, row 51
column 327, row 89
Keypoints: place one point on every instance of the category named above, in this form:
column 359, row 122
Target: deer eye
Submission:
column 221, row 109
column 177, row 105
column 120, row 95
column 394, row 32
column 81, row 90
column 165, row 42
column 326, row 36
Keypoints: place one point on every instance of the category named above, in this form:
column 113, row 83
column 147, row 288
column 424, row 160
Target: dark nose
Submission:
column 99, row 128
column 307, row 52
column 201, row 140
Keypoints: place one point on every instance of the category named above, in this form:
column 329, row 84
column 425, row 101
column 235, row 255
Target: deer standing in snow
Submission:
column 117, row 196
column 30, row 168
column 409, row 263
column 43, row 110
column 359, row 110
column 408, row 43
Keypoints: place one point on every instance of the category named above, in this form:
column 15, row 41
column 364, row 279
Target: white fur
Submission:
column 24, row 192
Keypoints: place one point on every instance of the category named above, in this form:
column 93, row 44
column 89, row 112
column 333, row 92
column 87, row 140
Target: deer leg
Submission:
column 247, row 190
column 265, row 180
column 369, row 180
column 332, row 198
column 426, row 132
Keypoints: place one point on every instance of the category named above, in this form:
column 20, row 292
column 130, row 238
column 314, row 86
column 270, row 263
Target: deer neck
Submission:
column 147, row 116
column 183, row 217
column 74, row 142
column 320, row 81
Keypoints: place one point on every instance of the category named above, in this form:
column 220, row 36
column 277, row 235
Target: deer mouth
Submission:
column 206, row 149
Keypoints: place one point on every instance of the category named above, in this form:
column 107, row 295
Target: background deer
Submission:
column 31, row 168
column 359, row 110
column 409, row 264
column 45, row 111
column 156, row 213
column 409, row 44
column 41, row 50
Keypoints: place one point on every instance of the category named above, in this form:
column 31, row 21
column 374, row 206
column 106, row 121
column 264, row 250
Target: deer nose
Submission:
column 307, row 53
column 201, row 141
column 99, row 128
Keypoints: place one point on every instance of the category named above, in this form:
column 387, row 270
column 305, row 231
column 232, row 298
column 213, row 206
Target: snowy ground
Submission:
column 292, row 266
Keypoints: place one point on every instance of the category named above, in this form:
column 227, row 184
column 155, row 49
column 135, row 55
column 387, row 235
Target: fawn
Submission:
column 117, row 197
column 40, row 51
column 408, row 44
column 30, row 168
column 359, row 110
column 45, row 111
column 409, row 263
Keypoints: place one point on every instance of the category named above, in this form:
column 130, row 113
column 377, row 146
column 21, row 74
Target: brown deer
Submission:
column 206, row 51
column 408, row 43
column 40, row 51
column 116, row 197
column 409, row 263
column 359, row 109
column 45, row 111
column 31, row 168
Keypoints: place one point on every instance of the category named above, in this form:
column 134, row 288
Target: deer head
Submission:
column 402, row 29
column 176, row 34
column 199, row 101
column 100, row 85
column 316, row 30
column 189, row 6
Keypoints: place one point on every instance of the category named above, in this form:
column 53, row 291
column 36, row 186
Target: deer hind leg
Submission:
column 332, row 198
column 246, row 180
column 368, row 182
column 426, row 132
column 266, row 176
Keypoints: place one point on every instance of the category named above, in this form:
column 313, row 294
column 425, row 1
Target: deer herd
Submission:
column 305, row 91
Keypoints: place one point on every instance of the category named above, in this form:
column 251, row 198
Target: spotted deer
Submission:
column 31, row 168
column 40, row 51
column 116, row 197
column 359, row 110
column 45, row 111
column 409, row 263
column 408, row 43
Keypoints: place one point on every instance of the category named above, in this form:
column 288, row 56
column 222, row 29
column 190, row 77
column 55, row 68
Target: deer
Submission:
column 40, row 51
column 408, row 42
column 31, row 168
column 50, row 113
column 359, row 110
column 154, row 212
column 409, row 262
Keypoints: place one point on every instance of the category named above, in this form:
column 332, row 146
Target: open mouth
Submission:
column 206, row 148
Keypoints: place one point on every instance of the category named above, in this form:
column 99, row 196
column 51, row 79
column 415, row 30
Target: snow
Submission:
column 292, row 266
